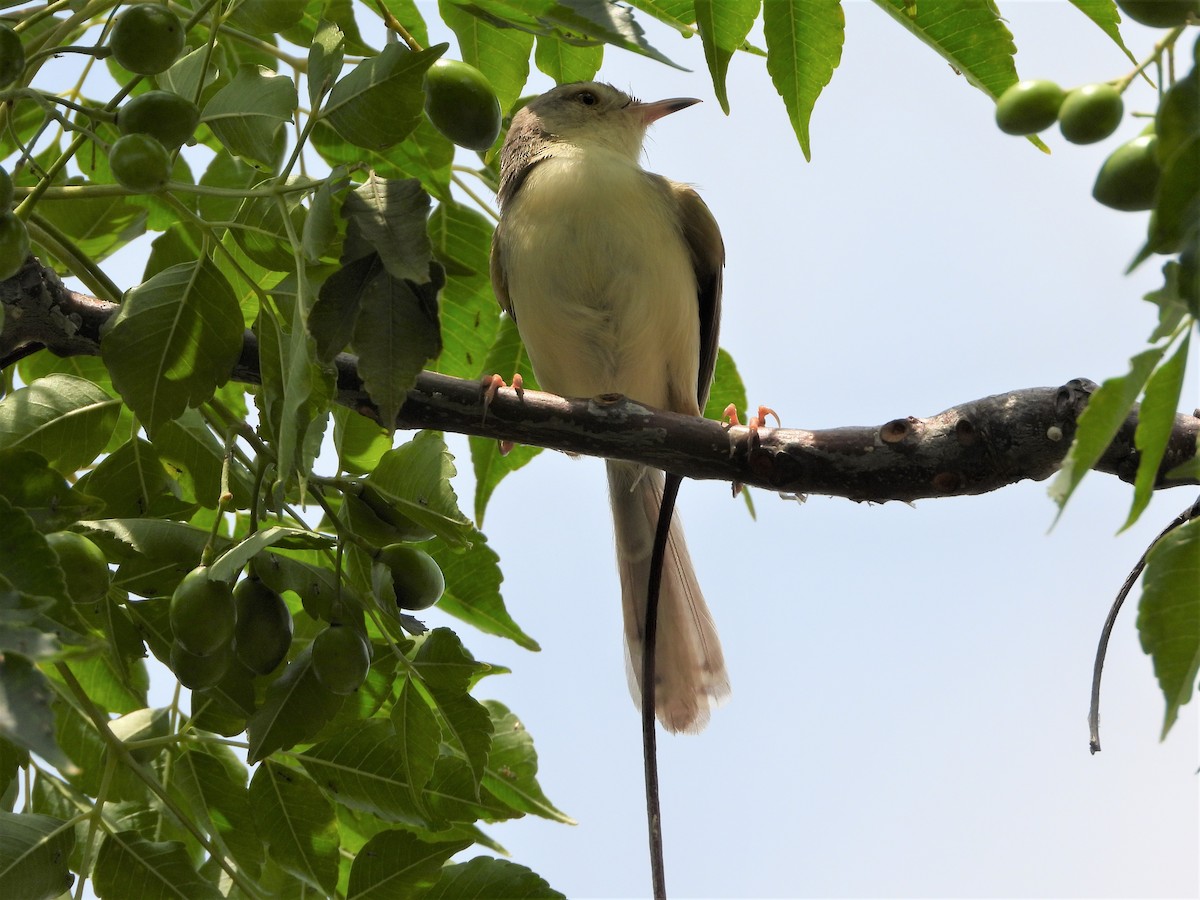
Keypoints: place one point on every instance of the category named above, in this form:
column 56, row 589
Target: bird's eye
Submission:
column 587, row 98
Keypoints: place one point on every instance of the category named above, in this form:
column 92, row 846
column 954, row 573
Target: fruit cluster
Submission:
column 1159, row 170
column 217, row 626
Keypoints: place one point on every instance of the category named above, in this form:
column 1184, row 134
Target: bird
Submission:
column 613, row 276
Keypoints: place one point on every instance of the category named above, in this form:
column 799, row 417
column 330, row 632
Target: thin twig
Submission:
column 1110, row 620
column 666, row 509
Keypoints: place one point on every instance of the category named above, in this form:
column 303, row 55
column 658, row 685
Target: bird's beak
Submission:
column 652, row 112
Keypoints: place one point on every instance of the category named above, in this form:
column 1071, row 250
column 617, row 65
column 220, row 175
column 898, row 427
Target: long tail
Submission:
column 690, row 668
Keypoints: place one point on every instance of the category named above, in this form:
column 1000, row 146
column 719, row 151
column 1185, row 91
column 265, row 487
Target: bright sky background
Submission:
column 910, row 684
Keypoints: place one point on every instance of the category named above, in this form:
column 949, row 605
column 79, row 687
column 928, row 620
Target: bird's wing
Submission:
column 499, row 276
column 708, row 260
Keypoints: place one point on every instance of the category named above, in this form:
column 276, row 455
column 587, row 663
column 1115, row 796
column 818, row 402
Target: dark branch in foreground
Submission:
column 972, row 448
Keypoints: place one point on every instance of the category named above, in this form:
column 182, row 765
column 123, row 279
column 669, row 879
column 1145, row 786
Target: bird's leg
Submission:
column 730, row 416
column 489, row 384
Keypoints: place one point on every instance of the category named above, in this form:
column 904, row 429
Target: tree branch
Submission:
column 971, row 448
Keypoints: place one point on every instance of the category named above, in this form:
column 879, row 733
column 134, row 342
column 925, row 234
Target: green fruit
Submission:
column 140, row 163
column 202, row 613
column 263, row 632
column 199, row 670
column 1159, row 13
column 1090, row 113
column 461, row 104
column 12, row 56
column 83, row 564
column 165, row 116
column 340, row 659
column 1028, row 107
column 6, row 190
column 146, row 38
column 14, row 245
column 416, row 579
column 1129, row 177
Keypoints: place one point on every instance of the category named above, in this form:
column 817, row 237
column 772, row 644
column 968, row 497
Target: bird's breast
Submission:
column 601, row 280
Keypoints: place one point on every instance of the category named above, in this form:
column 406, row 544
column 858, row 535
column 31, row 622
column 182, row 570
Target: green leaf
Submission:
column 33, row 856
column 485, row 877
column 445, row 665
column 132, row 482
column 396, row 334
column 1169, row 615
column 390, row 217
column 379, row 102
column 97, row 226
column 296, row 394
column 565, row 62
column 186, row 73
column 1156, row 417
column 426, row 154
column 28, row 483
column 262, row 232
column 360, row 442
column 506, row 357
column 804, row 46
column 414, row 480
column 27, row 563
column 1177, row 202
column 727, row 387
column 297, row 823
column 512, row 767
column 65, row 419
column 501, row 54
column 723, row 26
column 248, row 113
column 129, row 866
column 363, row 767
column 1104, row 14
column 579, row 19
column 473, row 589
column 165, row 551
column 26, row 718
column 325, row 57
column 419, row 739
column 461, row 239
column 295, row 708
column 395, row 865
column 113, row 689
column 970, row 35
column 1106, row 411
column 195, row 456
column 175, row 339
column 227, row 566
column 467, row 727
column 321, row 225
column 211, row 781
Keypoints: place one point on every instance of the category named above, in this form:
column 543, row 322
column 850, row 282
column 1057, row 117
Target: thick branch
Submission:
column 971, row 448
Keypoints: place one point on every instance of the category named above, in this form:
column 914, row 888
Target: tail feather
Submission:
column 689, row 666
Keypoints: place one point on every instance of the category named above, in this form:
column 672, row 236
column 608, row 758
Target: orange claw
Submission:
column 490, row 384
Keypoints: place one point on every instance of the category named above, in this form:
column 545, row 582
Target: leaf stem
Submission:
column 1110, row 620
column 44, row 232
column 100, row 722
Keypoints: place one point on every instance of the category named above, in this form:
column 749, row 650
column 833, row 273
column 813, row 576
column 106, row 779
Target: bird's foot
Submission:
column 490, row 384
column 730, row 417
